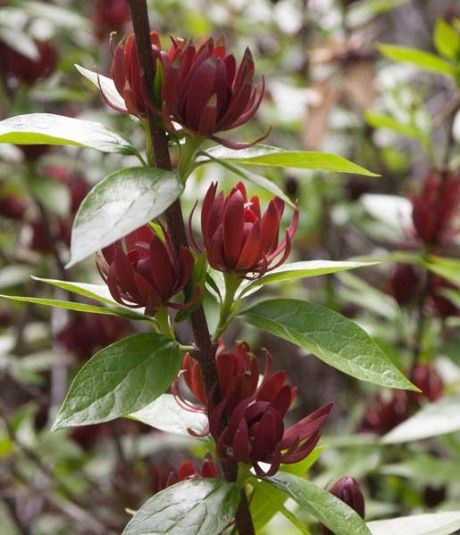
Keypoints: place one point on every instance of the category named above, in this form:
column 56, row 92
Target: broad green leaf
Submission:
column 446, row 39
column 193, row 507
column 98, row 292
column 165, row 414
column 432, row 420
column 72, row 305
column 105, row 84
column 325, row 507
column 362, row 11
column 50, row 129
column 300, row 270
column 119, row 204
column 120, row 379
column 422, row 59
column 267, row 155
column 378, row 120
column 330, row 336
column 444, row 523
column 267, row 500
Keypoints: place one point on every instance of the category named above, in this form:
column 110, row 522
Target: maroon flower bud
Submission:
column 30, row 70
column 149, row 273
column 12, row 207
column 386, row 413
column 84, row 334
column 437, row 207
column 40, row 240
column 404, row 283
column 127, row 77
column 110, row 16
column 205, row 92
column 429, row 381
column 248, row 423
column 440, row 304
column 348, row 490
column 238, row 238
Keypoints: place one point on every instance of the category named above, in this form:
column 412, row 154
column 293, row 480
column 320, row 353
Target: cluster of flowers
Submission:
column 144, row 270
column 435, row 216
column 200, row 88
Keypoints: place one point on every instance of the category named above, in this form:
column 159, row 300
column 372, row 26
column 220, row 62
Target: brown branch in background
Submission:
column 176, row 226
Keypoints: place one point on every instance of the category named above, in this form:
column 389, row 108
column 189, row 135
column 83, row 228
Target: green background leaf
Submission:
column 50, row 129
column 328, row 509
column 422, row 59
column 194, row 507
column 298, row 270
column 330, row 336
column 267, row 155
column 119, row 204
column 120, row 379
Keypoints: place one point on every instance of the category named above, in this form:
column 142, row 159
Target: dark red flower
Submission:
column 428, row 380
column 404, row 283
column 248, row 423
column 205, row 92
column 348, row 490
column 149, row 273
column 29, row 70
column 164, row 476
column 436, row 209
column 127, row 76
column 238, row 238
column 109, row 16
column 386, row 413
column 84, row 334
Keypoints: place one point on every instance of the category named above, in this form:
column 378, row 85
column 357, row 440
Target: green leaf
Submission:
column 267, row 155
column 19, row 41
column 193, row 507
column 449, row 268
column 98, row 292
column 425, row 60
column 432, row 420
column 119, row 204
column 267, row 500
column 300, row 270
column 105, row 84
column 120, row 379
column 328, row 509
column 165, row 414
column 444, row 523
column 72, row 305
column 446, row 39
column 378, row 120
column 330, row 336
column 50, row 129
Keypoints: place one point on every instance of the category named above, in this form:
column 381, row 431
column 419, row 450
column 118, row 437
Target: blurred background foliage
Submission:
column 330, row 86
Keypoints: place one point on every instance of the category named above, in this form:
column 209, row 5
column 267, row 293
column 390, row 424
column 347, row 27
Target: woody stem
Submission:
column 176, row 227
